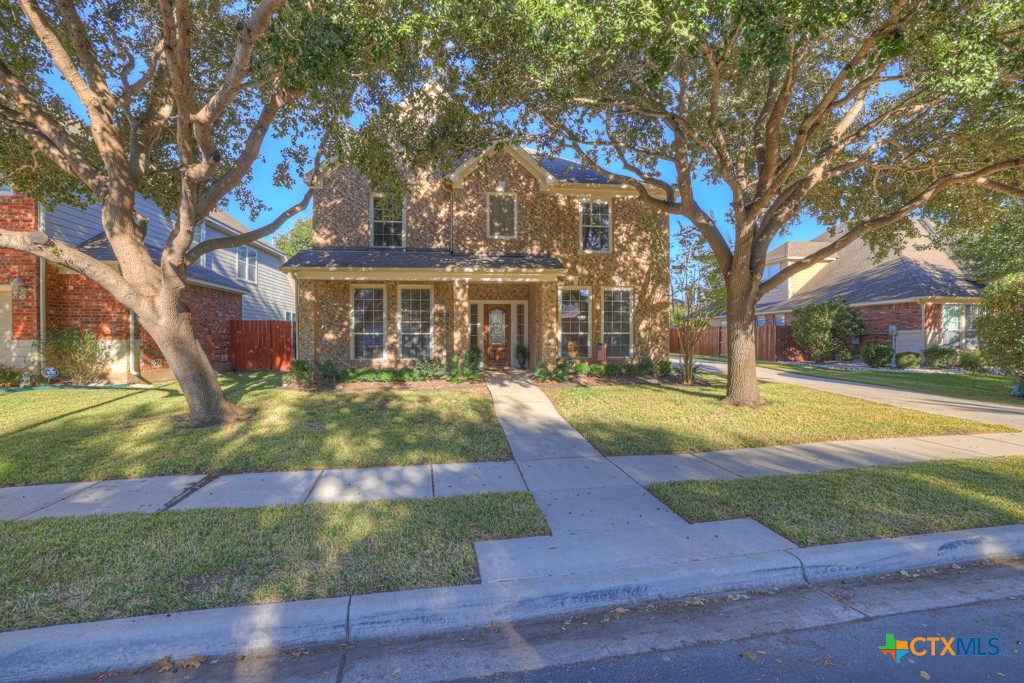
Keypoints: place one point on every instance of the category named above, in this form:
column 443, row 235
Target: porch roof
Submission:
column 430, row 264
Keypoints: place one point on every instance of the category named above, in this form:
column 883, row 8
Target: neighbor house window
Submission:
column 770, row 272
column 761, row 321
column 245, row 263
column 6, row 190
column 388, row 221
column 289, row 317
column 368, row 323
column 958, row 326
column 501, row 216
column 596, row 226
column 618, row 323
column 198, row 235
column 575, row 323
column 415, row 323
column 780, row 319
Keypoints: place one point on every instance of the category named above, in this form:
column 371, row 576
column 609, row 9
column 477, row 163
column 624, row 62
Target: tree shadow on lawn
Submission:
column 284, row 430
column 840, row 506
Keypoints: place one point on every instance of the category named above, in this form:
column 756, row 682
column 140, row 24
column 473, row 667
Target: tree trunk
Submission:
column 741, row 297
column 174, row 334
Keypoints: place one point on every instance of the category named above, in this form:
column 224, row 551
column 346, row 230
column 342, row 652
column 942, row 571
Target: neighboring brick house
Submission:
column 912, row 299
column 224, row 285
column 510, row 248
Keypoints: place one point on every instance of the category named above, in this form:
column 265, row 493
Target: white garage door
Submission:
column 6, row 325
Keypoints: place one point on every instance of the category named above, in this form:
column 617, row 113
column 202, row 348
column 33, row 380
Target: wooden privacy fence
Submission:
column 772, row 343
column 261, row 344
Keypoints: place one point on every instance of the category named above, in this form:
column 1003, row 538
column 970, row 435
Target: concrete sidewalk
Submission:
column 992, row 413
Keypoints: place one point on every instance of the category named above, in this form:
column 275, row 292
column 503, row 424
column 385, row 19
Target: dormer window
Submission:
column 595, row 227
column 388, row 221
column 502, row 215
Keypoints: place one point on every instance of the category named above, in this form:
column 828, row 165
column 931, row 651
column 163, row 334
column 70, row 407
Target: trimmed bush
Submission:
column 908, row 360
column 940, row 357
column 583, row 368
column 663, row 368
column 630, row 369
column 824, row 330
column 78, row 355
column 299, row 373
column 429, row 369
column 971, row 361
column 876, row 355
column 596, row 370
column 613, row 370
column 9, row 376
column 1000, row 325
column 645, row 367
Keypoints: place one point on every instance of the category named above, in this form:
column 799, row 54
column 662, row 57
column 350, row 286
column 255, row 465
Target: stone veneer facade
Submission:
column 440, row 216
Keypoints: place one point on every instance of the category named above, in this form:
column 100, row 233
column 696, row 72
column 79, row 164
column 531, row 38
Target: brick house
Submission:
column 508, row 249
column 913, row 299
column 224, row 285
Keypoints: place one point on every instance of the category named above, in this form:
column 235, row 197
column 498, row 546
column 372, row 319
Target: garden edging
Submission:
column 98, row 647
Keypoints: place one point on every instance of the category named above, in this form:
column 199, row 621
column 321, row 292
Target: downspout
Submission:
column 131, row 344
column 41, row 291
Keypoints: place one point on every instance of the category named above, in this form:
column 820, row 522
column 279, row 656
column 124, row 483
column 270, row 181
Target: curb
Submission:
column 97, row 647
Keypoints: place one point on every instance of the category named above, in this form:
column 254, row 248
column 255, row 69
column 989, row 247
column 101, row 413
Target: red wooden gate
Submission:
column 261, row 344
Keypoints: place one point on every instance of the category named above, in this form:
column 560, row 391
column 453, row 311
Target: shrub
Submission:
column 78, row 355
column 1000, row 325
column 940, row 357
column 596, row 370
column 824, row 330
column 645, row 367
column 299, row 373
column 541, row 374
column 429, row 369
column 908, row 360
column 473, row 356
column 630, row 369
column 613, row 370
column 522, row 354
column 10, row 376
column 465, row 368
column 876, row 355
column 583, row 368
column 663, row 368
column 971, row 361
column 327, row 371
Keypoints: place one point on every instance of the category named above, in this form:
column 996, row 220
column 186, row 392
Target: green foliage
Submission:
column 522, row 353
column 876, row 355
column 613, row 370
column 465, row 368
column 1000, row 325
column 645, row 367
column 630, row 369
column 326, row 371
column 299, row 373
column 824, row 330
column 583, row 368
column 940, row 357
column 596, row 370
column 541, row 374
column 971, row 361
column 10, row 376
column 299, row 237
column 663, row 368
column 79, row 355
column 430, row 369
column 908, row 360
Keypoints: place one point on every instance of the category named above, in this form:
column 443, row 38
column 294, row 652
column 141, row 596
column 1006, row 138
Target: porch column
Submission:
column 548, row 322
column 460, row 317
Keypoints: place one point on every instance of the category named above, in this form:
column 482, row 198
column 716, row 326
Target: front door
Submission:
column 496, row 334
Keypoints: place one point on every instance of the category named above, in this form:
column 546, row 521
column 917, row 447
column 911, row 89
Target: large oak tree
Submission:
column 105, row 100
column 859, row 113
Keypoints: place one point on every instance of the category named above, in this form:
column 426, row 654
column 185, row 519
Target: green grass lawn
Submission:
column 66, row 570
column 991, row 388
column 77, row 435
column 857, row 504
column 641, row 419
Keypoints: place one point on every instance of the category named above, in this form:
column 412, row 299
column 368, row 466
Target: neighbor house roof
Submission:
column 226, row 220
column 388, row 259
column 793, row 250
column 99, row 248
column 569, row 171
column 917, row 271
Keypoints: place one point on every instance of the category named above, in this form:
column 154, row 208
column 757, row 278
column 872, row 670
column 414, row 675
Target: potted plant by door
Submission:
column 522, row 355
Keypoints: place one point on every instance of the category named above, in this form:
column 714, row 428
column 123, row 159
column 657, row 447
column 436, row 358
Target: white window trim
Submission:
column 373, row 198
column 515, row 215
column 611, row 224
column 256, row 270
column 766, row 275
column 352, row 321
column 401, row 353
column 632, row 310
column 590, row 320
column 200, row 233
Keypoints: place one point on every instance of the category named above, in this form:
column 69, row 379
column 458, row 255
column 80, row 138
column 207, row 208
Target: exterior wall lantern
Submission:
column 501, row 185
column 18, row 289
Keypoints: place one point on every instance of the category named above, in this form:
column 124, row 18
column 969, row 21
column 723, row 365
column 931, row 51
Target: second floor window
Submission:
column 772, row 271
column 596, row 227
column 388, row 216
column 501, row 216
column 198, row 235
column 245, row 263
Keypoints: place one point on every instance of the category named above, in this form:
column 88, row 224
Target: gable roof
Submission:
column 918, row 271
column 99, row 248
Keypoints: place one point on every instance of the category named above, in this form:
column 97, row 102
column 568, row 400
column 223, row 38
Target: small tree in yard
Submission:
column 297, row 238
column 824, row 330
column 698, row 294
column 173, row 100
column 1000, row 326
